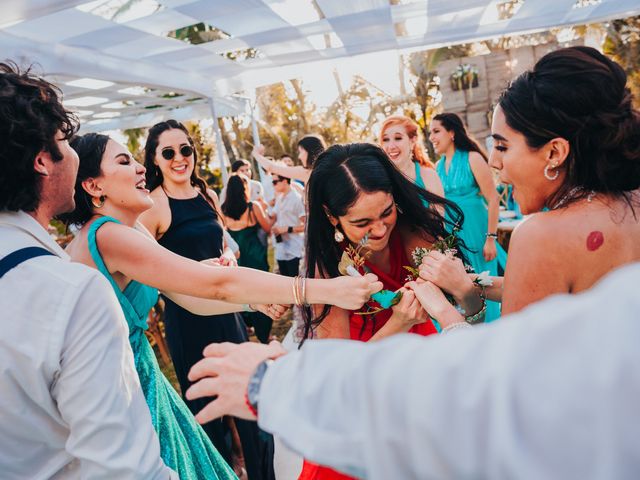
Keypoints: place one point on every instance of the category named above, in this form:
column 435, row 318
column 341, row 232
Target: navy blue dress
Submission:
column 196, row 233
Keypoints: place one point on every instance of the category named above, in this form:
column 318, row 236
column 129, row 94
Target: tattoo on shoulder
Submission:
column 595, row 240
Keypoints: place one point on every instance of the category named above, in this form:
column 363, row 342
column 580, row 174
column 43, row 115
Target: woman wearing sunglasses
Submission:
column 185, row 218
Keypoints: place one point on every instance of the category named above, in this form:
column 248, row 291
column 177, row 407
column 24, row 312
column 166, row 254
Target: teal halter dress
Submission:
column 460, row 186
column 184, row 446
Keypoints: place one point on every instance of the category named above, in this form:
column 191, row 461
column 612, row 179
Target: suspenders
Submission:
column 16, row 258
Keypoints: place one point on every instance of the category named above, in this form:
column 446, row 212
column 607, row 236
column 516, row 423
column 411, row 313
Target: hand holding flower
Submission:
column 447, row 272
column 408, row 311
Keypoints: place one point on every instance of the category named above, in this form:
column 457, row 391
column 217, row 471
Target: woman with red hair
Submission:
column 401, row 140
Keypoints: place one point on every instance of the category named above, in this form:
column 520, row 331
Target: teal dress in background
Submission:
column 419, row 182
column 184, row 446
column 460, row 186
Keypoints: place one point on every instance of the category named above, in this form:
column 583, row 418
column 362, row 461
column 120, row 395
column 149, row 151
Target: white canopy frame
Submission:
column 74, row 40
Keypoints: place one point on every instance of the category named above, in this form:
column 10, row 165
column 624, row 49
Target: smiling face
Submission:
column 440, row 138
column 122, row 180
column 178, row 169
column 522, row 166
column 374, row 214
column 397, row 144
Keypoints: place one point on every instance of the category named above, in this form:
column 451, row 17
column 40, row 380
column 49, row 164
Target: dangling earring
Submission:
column 101, row 202
column 399, row 209
column 338, row 236
column 548, row 176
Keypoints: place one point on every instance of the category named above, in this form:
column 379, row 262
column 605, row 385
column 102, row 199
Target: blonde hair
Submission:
column 413, row 131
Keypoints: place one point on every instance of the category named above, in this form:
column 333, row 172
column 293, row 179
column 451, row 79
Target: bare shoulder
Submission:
column 212, row 193
column 158, row 218
column 537, row 233
column 475, row 158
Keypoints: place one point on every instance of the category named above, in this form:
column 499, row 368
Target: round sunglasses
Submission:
column 169, row 153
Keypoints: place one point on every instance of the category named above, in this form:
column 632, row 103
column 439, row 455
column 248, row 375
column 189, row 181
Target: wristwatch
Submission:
column 255, row 381
column 290, row 229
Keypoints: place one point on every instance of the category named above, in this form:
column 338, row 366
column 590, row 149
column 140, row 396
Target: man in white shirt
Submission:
column 551, row 392
column 288, row 228
column 70, row 400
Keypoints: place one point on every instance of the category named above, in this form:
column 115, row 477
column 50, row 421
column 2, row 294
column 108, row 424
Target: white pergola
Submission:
column 125, row 71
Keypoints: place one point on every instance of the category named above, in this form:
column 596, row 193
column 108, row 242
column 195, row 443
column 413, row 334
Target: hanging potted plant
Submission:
column 464, row 77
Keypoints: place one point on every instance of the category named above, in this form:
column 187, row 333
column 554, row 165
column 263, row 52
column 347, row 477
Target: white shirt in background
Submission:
column 289, row 211
column 552, row 392
column 71, row 405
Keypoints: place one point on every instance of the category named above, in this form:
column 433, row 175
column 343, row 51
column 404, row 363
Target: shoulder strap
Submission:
column 95, row 252
column 16, row 258
column 419, row 180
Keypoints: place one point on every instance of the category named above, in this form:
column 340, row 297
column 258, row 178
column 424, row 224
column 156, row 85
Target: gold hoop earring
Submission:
column 101, row 204
column 548, row 176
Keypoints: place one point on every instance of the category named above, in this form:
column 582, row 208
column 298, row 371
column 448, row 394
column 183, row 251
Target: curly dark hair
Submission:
column 580, row 95
column 90, row 149
column 340, row 174
column 154, row 175
column 31, row 115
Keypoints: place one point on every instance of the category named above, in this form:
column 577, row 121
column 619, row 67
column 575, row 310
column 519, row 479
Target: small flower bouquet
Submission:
column 464, row 77
column 352, row 264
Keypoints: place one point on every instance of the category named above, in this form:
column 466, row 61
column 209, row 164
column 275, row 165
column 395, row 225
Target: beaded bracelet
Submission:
column 456, row 326
column 477, row 317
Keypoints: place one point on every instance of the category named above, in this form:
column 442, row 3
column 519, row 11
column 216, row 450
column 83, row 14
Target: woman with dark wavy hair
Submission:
column 355, row 192
column 567, row 137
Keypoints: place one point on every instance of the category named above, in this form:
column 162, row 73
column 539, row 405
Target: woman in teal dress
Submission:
column 468, row 181
column 110, row 195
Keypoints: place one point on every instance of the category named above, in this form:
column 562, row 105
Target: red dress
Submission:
column 363, row 330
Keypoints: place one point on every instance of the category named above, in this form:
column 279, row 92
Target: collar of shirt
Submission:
column 28, row 225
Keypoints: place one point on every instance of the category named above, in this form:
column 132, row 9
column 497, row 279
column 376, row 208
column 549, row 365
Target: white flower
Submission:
column 483, row 279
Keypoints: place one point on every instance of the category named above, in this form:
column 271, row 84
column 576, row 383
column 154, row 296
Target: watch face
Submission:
column 253, row 389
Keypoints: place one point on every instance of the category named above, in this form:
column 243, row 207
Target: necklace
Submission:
column 570, row 195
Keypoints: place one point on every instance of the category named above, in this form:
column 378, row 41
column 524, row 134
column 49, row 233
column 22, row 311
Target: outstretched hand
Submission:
column 225, row 373
column 274, row 311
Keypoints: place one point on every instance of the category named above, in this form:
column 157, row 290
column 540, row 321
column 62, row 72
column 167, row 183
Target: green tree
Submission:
column 622, row 44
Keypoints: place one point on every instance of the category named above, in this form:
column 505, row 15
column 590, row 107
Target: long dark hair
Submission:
column 90, row 149
column 341, row 173
column 154, row 174
column 580, row 95
column 314, row 145
column 236, row 200
column 462, row 140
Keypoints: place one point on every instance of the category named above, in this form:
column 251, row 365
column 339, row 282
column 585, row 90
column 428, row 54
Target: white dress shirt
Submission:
column 552, row 392
column 70, row 399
